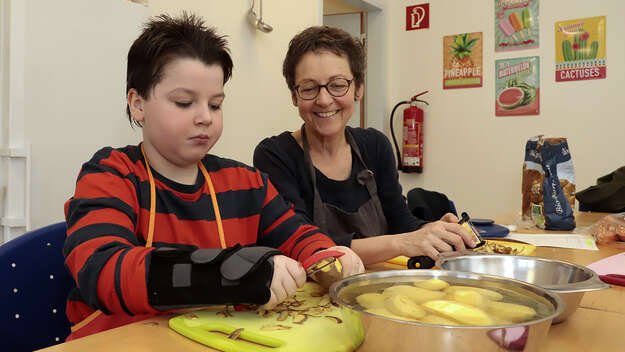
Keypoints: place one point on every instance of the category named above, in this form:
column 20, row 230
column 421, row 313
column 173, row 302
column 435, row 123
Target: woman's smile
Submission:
column 327, row 114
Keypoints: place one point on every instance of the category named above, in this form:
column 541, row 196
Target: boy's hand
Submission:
column 288, row 276
column 351, row 262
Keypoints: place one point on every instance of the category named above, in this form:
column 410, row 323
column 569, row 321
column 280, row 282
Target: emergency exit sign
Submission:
column 417, row 17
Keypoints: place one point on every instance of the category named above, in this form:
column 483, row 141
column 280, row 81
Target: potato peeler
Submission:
column 425, row 262
column 324, row 267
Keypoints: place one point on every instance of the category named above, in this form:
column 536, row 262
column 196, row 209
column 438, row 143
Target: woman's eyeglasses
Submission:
column 336, row 87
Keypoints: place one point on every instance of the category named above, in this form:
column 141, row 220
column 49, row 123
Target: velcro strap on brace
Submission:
column 180, row 278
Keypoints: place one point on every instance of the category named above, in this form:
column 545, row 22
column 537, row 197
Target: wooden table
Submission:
column 598, row 325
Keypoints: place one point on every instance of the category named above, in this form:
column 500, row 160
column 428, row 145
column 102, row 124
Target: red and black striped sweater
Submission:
column 107, row 221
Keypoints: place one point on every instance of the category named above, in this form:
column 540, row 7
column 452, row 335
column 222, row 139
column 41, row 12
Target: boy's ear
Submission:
column 135, row 104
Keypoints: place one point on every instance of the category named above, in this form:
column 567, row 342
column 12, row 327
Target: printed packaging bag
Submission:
column 548, row 184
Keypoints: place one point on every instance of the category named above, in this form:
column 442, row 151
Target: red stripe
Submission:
column 278, row 221
column 106, row 215
column 201, row 233
column 106, row 285
column 306, row 247
column 79, row 255
column 96, row 185
column 235, row 179
column 133, row 284
column 272, row 192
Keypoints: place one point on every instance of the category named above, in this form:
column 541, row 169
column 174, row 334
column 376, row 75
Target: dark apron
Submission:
column 367, row 221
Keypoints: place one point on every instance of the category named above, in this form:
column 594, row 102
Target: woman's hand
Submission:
column 288, row 276
column 350, row 261
column 444, row 235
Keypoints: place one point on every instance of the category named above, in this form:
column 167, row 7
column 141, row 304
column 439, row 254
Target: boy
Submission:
column 163, row 225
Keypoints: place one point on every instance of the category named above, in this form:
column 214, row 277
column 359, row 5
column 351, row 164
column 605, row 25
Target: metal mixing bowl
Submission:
column 388, row 334
column 568, row 280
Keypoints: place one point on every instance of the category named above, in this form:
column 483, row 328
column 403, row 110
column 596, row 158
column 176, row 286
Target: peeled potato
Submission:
column 511, row 312
column 404, row 306
column 462, row 313
column 432, row 284
column 371, row 300
column 500, row 321
column 416, row 294
column 435, row 319
column 399, row 289
column 490, row 294
column 381, row 311
column 471, row 297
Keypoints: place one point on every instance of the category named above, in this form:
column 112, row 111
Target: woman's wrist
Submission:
column 397, row 243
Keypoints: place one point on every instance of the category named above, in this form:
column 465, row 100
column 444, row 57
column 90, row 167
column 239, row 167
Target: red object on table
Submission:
column 614, row 279
column 319, row 256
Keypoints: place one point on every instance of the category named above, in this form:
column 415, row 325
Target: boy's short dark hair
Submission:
column 324, row 38
column 165, row 39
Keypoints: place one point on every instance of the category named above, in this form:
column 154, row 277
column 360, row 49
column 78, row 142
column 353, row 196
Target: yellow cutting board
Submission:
column 520, row 249
column 306, row 323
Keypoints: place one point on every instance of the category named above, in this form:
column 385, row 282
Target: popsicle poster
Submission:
column 516, row 24
column 462, row 60
column 581, row 49
column 517, row 86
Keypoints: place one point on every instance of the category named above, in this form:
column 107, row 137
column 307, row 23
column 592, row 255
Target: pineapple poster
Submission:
column 462, row 60
column 516, row 24
column 517, row 86
column 581, row 49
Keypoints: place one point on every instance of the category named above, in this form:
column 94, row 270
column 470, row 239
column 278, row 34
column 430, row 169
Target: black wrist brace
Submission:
column 180, row 278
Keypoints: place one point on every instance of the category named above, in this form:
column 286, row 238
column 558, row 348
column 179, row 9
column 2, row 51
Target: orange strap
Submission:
column 220, row 227
column 148, row 243
column 85, row 321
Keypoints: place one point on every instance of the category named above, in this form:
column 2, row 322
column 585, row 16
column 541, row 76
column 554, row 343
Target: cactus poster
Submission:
column 581, row 49
column 516, row 24
column 517, row 86
column 462, row 60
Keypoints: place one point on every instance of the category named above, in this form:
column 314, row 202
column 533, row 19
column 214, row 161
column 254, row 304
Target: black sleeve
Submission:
column 284, row 163
column 398, row 216
column 282, row 159
column 184, row 277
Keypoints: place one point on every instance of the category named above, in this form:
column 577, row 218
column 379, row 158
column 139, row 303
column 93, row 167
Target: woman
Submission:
column 343, row 178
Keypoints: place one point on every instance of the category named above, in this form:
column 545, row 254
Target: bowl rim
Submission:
column 555, row 299
column 592, row 283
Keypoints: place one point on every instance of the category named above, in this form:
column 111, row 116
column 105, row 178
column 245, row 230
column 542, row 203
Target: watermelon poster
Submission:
column 581, row 49
column 462, row 60
column 516, row 24
column 517, row 86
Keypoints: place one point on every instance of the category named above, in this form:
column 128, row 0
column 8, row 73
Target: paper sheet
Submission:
column 575, row 241
column 610, row 265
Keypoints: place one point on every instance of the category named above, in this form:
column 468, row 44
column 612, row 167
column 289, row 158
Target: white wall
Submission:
column 471, row 155
column 75, row 71
column 75, row 83
column 351, row 24
column 75, row 74
column 258, row 103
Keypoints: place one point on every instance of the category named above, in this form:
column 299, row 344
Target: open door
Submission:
column 352, row 20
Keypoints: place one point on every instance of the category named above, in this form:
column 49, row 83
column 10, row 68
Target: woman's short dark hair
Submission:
column 165, row 39
column 324, row 38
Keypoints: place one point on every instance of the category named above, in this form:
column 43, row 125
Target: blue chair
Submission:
column 35, row 284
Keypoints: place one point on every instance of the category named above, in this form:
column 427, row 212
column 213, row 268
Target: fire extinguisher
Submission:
column 410, row 159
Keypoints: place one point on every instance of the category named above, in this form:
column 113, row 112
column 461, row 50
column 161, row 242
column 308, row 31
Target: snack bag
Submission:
column 548, row 184
column 610, row 229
